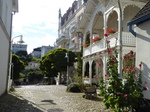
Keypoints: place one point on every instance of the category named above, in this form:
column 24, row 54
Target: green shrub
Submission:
column 81, row 86
column 73, row 87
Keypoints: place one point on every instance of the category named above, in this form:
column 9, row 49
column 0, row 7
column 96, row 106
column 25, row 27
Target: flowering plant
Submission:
column 86, row 77
column 111, row 31
column 96, row 39
column 121, row 93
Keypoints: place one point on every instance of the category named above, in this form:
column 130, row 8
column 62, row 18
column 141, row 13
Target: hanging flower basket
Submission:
column 96, row 39
column 111, row 31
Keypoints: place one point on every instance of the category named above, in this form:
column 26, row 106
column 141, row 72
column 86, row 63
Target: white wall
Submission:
column 4, row 46
column 6, row 14
column 143, row 53
column 5, row 29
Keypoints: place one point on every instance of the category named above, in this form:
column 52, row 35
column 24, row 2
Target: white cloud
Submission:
column 46, row 40
column 38, row 17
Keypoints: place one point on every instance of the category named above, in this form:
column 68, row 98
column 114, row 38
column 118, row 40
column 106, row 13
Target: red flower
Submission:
column 125, row 95
column 96, row 39
column 145, row 88
column 98, row 77
column 128, row 57
column 106, row 34
column 131, row 67
column 112, row 61
column 105, row 75
column 131, row 52
column 117, row 93
column 108, row 42
column 112, row 58
column 126, row 69
column 99, row 64
column 125, row 57
column 109, row 50
column 111, row 31
column 133, row 71
column 100, row 55
column 140, row 65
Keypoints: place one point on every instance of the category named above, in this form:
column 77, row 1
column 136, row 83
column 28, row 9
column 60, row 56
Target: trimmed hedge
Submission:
column 73, row 87
column 77, row 87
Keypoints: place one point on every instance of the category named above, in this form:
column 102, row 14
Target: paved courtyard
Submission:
column 48, row 98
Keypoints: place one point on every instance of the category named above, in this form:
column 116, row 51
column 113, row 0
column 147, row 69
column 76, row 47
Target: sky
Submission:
column 37, row 21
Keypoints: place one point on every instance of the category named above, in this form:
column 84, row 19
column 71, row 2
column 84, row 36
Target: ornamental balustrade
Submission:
column 127, row 40
column 62, row 38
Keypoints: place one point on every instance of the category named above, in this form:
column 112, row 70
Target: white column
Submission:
column 120, row 39
column 90, row 71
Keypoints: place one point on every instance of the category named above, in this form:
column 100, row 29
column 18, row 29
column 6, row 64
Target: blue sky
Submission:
column 37, row 21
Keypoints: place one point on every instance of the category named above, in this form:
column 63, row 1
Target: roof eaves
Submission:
column 140, row 20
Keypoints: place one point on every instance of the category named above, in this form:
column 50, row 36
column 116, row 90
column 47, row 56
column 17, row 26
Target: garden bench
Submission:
column 90, row 92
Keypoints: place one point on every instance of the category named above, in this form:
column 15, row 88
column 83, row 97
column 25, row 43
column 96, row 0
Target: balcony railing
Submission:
column 127, row 40
column 63, row 38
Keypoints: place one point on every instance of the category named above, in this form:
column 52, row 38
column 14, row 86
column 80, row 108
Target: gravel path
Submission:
column 48, row 98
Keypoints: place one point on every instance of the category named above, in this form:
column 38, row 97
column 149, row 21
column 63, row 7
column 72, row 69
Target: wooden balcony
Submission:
column 127, row 40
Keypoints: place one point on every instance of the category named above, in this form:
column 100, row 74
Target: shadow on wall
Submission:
column 144, row 104
column 146, row 74
column 147, row 39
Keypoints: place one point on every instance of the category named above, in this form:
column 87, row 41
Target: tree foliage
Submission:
column 33, row 74
column 23, row 56
column 17, row 67
column 55, row 61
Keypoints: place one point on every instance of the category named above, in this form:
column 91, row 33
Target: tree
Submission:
column 18, row 66
column 21, row 53
column 33, row 75
column 24, row 56
column 55, row 61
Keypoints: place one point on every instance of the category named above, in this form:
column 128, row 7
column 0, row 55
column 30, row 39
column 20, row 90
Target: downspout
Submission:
column 120, row 39
column 131, row 30
column 9, row 57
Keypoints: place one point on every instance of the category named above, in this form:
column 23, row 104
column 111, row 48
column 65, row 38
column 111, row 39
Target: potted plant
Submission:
column 97, row 38
column 111, row 31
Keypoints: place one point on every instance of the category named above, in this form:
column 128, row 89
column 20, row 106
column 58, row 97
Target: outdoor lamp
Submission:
column 10, row 61
column 67, row 66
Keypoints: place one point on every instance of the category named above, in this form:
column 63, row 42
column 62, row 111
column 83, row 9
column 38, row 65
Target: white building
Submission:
column 33, row 65
column 68, row 37
column 45, row 49
column 7, row 8
column 36, row 53
column 141, row 31
column 19, row 47
column 99, row 16
column 68, row 24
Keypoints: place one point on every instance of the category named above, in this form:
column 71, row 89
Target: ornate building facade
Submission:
column 68, row 37
column 101, row 17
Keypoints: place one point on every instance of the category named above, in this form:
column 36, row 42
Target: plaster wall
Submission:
column 6, row 14
column 4, row 48
column 5, row 33
column 143, row 53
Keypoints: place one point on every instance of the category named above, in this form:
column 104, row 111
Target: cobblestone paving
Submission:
column 48, row 99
